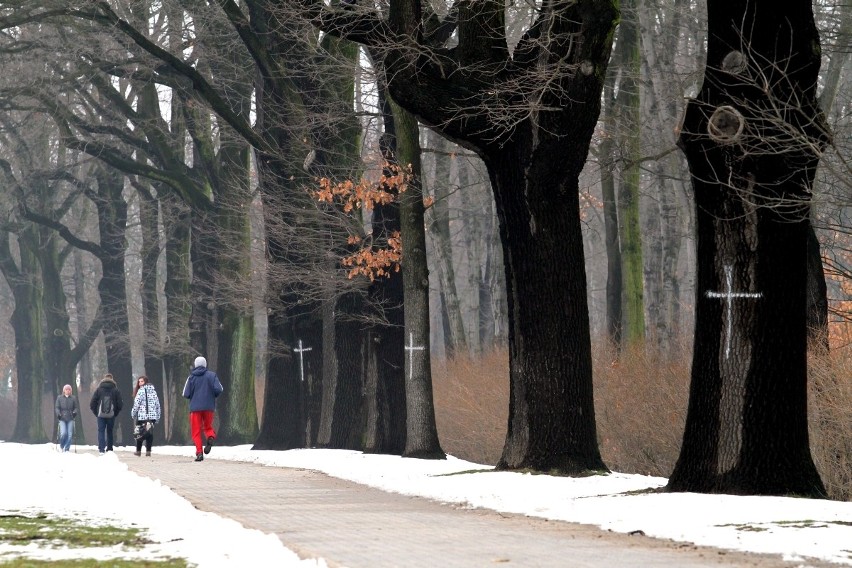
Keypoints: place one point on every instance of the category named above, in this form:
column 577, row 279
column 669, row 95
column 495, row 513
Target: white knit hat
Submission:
column 200, row 362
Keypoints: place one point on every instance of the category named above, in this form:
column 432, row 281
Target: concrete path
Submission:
column 354, row 526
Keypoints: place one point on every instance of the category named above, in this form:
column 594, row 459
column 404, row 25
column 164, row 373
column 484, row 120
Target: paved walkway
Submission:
column 354, row 526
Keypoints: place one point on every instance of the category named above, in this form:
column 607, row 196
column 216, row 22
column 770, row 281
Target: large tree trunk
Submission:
column 84, row 369
column 752, row 140
column 177, row 353
column 534, row 144
column 27, row 321
column 236, row 333
column 336, row 402
column 551, row 410
column 112, row 224
column 341, row 406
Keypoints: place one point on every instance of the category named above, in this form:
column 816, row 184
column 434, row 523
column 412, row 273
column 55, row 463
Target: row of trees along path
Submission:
column 752, row 138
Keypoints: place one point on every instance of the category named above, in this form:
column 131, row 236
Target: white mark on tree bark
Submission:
column 411, row 349
column 300, row 351
column 729, row 295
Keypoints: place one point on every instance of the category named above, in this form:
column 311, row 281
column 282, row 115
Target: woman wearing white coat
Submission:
column 146, row 411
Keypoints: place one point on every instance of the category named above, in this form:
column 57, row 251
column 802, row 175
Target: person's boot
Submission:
column 137, row 453
column 209, row 444
column 199, row 457
column 147, row 453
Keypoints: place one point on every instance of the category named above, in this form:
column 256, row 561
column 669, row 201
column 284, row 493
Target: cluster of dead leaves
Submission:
column 371, row 261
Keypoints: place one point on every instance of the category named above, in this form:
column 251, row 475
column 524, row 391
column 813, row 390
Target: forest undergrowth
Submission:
column 640, row 406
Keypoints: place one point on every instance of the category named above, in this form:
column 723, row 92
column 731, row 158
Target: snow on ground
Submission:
column 795, row 528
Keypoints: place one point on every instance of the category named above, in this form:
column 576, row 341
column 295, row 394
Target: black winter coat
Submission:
column 107, row 387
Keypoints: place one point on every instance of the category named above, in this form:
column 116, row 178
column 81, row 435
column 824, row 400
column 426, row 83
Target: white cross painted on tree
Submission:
column 300, row 351
column 729, row 296
column 411, row 348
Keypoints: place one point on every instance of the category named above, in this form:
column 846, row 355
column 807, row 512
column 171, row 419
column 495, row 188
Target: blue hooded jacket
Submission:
column 202, row 388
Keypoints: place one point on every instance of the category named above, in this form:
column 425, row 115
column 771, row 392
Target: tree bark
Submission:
column 421, row 440
column 112, row 225
column 606, row 161
column 551, row 410
column 627, row 105
column 177, row 351
column 534, row 152
column 27, row 324
column 384, row 344
column 752, row 138
column 439, row 230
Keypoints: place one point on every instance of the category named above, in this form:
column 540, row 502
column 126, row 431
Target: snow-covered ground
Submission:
column 35, row 478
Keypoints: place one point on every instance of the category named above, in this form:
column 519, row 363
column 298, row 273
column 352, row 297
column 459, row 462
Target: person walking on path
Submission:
column 105, row 405
column 66, row 411
column 202, row 389
column 146, row 411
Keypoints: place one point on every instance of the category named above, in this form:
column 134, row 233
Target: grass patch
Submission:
column 745, row 528
column 802, row 524
column 58, row 533
column 91, row 563
column 465, row 472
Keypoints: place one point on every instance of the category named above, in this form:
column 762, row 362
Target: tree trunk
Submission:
column 177, row 353
column 236, row 333
column 149, row 219
column 112, row 225
column 606, row 161
column 27, row 322
column 628, row 107
column 283, row 409
column 551, row 409
column 439, row 230
column 341, row 405
column 385, row 405
column 421, row 440
column 752, row 139
column 493, row 287
column 85, row 370
column 476, row 213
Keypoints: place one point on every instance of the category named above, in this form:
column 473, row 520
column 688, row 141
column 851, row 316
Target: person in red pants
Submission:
column 202, row 389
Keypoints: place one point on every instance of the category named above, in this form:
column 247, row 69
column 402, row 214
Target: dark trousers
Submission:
column 147, row 439
column 105, row 428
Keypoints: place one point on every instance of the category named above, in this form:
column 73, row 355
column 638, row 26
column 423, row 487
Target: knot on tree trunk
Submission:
column 725, row 125
column 735, row 63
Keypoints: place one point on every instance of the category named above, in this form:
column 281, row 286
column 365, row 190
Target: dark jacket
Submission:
column 107, row 387
column 202, row 388
column 66, row 407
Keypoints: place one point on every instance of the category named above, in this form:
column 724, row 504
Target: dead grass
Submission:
column 472, row 405
column 830, row 418
column 640, row 406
